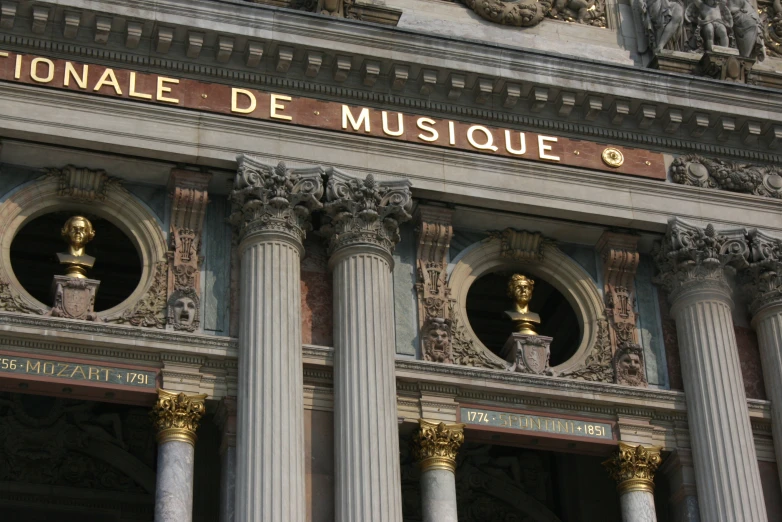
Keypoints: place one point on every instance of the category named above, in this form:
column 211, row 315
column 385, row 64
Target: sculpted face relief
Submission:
column 255, row 104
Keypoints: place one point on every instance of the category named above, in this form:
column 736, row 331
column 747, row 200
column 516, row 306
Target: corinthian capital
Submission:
column 176, row 416
column 691, row 257
column 435, row 446
column 365, row 211
column 276, row 199
column 633, row 467
column 761, row 281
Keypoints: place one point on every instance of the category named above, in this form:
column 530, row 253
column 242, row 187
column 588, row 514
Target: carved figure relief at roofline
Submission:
column 528, row 13
column 700, row 25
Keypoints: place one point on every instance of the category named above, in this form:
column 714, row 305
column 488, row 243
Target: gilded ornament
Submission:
column 520, row 289
column 633, row 467
column 77, row 232
column 435, row 445
column 176, row 416
column 613, row 157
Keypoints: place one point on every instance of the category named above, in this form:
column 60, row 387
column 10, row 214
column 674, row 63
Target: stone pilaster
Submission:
column 434, row 238
column 188, row 191
column 681, row 479
column 435, row 446
column 225, row 417
column 362, row 224
column 271, row 215
column 695, row 265
column 176, row 418
column 761, row 282
column 633, row 468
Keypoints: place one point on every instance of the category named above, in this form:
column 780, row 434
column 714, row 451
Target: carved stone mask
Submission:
column 630, row 363
column 184, row 311
column 438, row 338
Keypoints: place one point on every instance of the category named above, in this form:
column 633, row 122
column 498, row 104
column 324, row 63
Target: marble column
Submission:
column 176, row 418
column 633, row 468
column 435, row 446
column 361, row 220
column 694, row 264
column 271, row 210
column 762, row 284
column 225, row 417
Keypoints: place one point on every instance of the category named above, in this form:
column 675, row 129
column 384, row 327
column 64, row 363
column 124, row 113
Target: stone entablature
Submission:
column 555, row 98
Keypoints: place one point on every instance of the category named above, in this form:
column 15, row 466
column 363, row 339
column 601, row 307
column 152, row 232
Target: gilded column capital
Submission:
column 633, row 467
column 692, row 258
column 364, row 212
column 761, row 281
column 277, row 199
column 176, row 416
column 435, row 445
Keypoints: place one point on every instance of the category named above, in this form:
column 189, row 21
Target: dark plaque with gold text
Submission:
column 537, row 424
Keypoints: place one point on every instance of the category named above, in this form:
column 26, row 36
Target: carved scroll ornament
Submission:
column 528, row 13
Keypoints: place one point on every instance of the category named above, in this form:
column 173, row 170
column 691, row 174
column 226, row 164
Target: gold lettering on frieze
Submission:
column 363, row 118
column 274, row 107
column 132, row 90
column 76, row 371
column 235, row 101
column 162, row 89
column 110, row 79
column 70, row 72
column 425, row 124
column 536, row 423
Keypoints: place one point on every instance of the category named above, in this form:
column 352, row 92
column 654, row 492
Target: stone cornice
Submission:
column 659, row 92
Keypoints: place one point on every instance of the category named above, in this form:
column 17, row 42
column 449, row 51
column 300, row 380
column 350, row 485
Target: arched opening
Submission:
column 34, row 258
column 487, row 301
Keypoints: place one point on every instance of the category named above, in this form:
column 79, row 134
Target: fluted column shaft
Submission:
column 723, row 449
column 768, row 325
column 270, row 481
column 366, row 427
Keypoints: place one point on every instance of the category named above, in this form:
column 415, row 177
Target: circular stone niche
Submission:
column 34, row 258
column 487, row 301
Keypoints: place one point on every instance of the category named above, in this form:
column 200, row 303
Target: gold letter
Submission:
column 108, row 78
column 65, row 367
column 3, row 54
column 18, row 70
column 34, row 70
column 451, row 134
column 132, row 89
column 235, row 101
column 80, row 370
column 162, row 89
column 543, row 148
column 36, row 367
column 91, row 370
column 107, row 374
column 510, row 149
column 47, row 372
column 274, row 106
column 362, row 117
column 400, row 125
column 430, row 121
column 489, row 145
column 71, row 72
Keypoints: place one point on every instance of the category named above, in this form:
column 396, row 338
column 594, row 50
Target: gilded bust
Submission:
column 77, row 232
column 520, row 289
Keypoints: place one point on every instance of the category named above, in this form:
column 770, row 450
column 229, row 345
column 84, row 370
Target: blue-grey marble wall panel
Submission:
column 154, row 196
column 13, row 177
column 215, row 280
column 650, row 325
column 584, row 256
column 405, row 306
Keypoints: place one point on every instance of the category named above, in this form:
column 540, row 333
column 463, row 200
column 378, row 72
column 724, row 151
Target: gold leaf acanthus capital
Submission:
column 633, row 467
column 435, row 445
column 176, row 416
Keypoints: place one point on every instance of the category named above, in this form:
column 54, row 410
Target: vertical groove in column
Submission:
column 769, row 330
column 367, row 444
column 723, row 449
column 270, row 478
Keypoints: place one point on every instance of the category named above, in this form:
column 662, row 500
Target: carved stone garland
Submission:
column 188, row 191
column 697, row 171
column 531, row 12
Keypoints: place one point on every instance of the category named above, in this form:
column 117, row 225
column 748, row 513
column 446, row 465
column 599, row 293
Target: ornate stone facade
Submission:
column 176, row 416
column 698, row 171
column 436, row 445
column 633, row 467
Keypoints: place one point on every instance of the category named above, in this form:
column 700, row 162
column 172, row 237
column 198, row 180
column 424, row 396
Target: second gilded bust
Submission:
column 520, row 289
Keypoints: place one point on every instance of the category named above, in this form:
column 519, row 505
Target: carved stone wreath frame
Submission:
column 558, row 269
column 114, row 204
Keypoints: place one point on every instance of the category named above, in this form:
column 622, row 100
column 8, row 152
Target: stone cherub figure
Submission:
column 77, row 232
column 713, row 20
column 520, row 289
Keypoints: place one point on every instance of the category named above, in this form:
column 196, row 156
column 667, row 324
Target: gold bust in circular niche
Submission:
column 613, row 157
column 520, row 289
column 77, row 232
